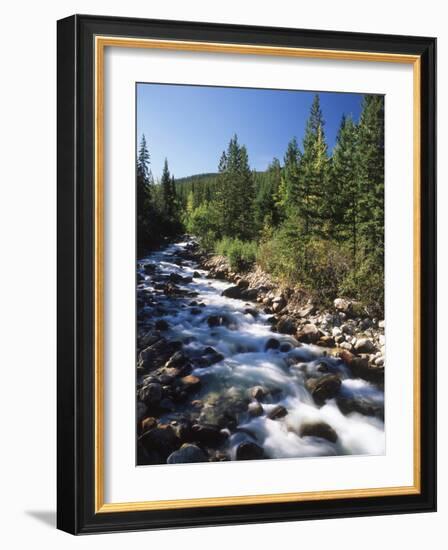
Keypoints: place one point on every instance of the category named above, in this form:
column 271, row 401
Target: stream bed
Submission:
column 214, row 382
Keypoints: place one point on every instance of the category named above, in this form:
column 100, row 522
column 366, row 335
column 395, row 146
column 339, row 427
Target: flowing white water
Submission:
column 247, row 363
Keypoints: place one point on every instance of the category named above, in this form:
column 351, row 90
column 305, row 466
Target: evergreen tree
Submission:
column 167, row 191
column 344, row 187
column 144, row 196
column 236, row 192
column 370, row 159
column 310, row 196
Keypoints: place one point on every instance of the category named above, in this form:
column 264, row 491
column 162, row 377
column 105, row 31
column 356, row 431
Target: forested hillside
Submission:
column 315, row 218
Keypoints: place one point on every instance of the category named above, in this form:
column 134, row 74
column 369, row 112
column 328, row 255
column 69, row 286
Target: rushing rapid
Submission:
column 260, row 379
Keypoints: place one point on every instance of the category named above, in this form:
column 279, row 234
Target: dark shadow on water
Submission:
column 48, row 517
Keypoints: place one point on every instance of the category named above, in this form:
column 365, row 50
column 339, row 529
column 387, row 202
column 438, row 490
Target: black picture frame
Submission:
column 76, row 263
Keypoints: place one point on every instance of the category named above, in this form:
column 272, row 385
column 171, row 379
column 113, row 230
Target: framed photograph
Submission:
column 246, row 264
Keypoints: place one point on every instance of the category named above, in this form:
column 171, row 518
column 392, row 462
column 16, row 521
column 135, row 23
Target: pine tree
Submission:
column 344, row 187
column 311, row 196
column 167, row 191
column 144, row 196
column 236, row 192
column 370, row 160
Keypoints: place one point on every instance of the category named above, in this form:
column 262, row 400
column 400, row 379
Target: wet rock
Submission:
column 255, row 409
column 324, row 388
column 158, row 353
column 341, row 304
column 348, row 405
column 190, row 383
column 182, row 428
column 208, row 434
column 196, row 274
column 162, row 325
column 249, row 451
column 250, row 294
column 309, row 334
column 151, row 394
column 195, row 311
column 285, row 347
column 162, row 440
column 326, row 341
column 141, row 410
column 209, row 357
column 251, row 311
column 150, row 338
column 148, row 423
column 149, row 269
column 277, row 412
column 364, row 345
column 188, row 453
column 177, row 360
column 214, row 321
column 286, row 325
column 257, row 392
column 272, row 343
column 178, row 279
column 318, row 429
column 232, row 292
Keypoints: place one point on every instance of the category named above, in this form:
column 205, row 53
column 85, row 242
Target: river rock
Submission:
column 306, row 311
column 318, row 429
column 286, row 325
column 324, row 388
column 190, row 383
column 257, row 392
column 232, row 292
column 272, row 343
column 364, row 345
column 158, row 353
column 250, row 294
column 177, row 360
column 326, row 341
column 278, row 304
column 162, row 325
column 247, row 450
column 148, row 423
column 349, row 405
column 141, row 410
column 208, row 434
column 277, row 412
column 341, row 304
column 188, row 453
column 209, row 357
column 255, row 409
column 162, row 439
column 309, row 334
column 382, row 324
column 151, row 394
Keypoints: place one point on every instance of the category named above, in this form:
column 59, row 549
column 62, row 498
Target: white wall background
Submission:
column 27, row 289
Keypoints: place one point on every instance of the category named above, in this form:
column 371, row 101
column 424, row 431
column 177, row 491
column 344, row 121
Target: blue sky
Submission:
column 192, row 125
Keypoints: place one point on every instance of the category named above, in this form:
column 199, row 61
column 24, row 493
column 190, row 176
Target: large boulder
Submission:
column 208, row 434
column 309, row 334
column 232, row 292
column 324, row 388
column 286, row 325
column 150, row 394
column 249, row 451
column 277, row 412
column 162, row 440
column 186, row 454
column 318, row 429
column 364, row 345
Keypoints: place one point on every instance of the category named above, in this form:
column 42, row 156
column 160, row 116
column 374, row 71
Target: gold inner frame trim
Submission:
column 101, row 42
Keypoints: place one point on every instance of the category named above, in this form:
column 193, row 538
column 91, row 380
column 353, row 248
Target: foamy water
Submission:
column 246, row 364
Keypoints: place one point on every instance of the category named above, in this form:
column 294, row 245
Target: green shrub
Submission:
column 241, row 254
